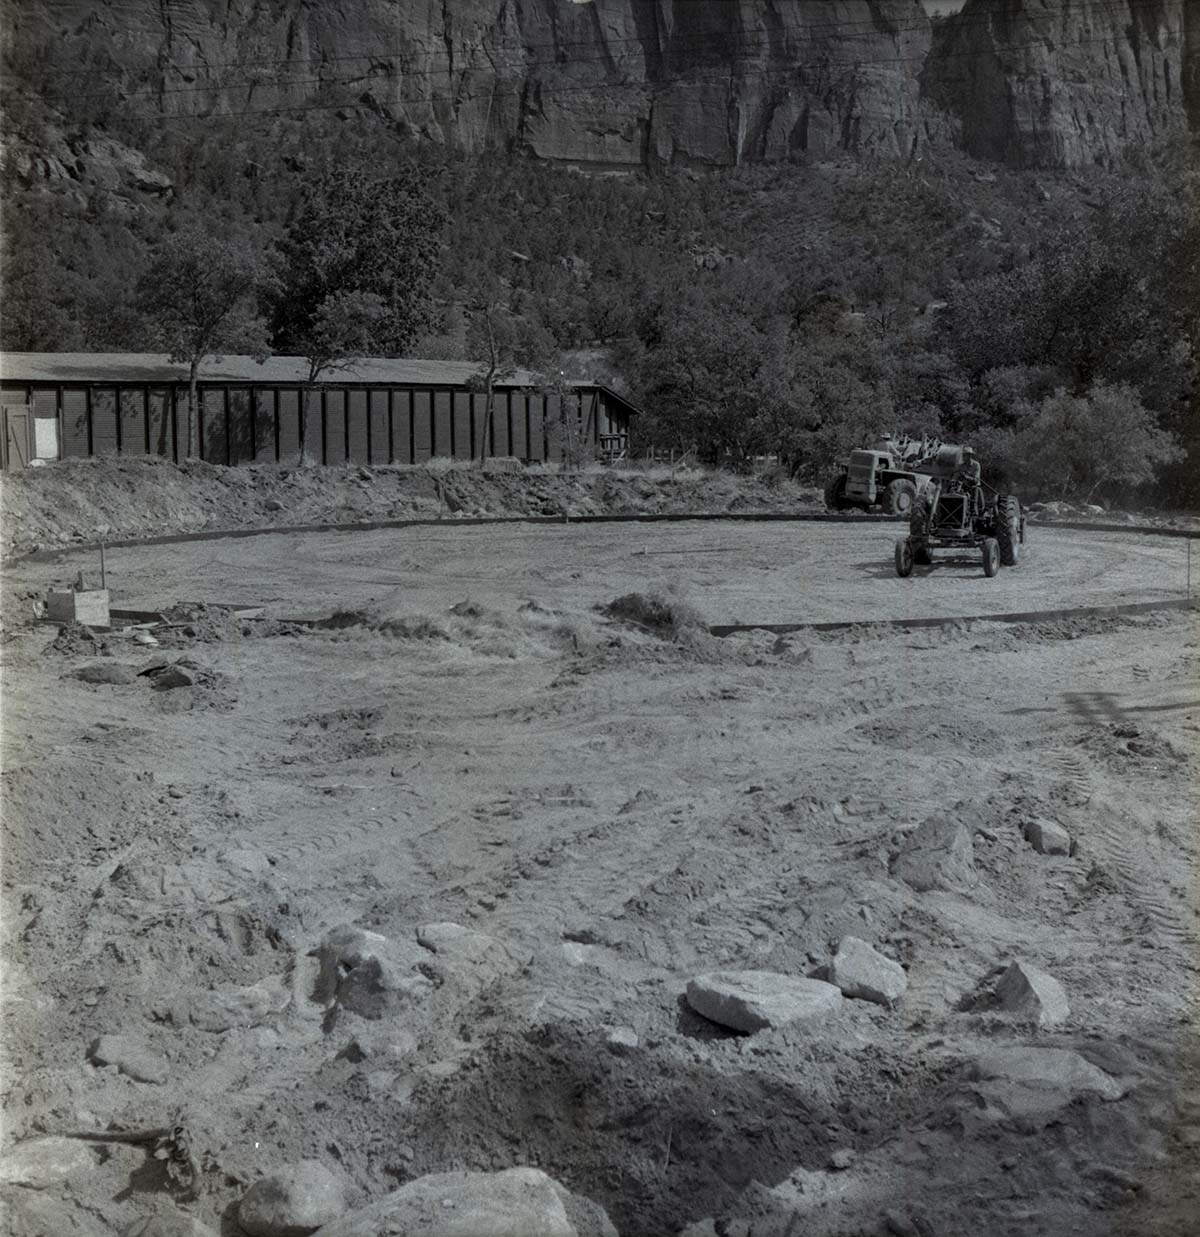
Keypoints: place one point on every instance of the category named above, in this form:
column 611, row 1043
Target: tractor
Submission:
column 955, row 514
column 892, row 473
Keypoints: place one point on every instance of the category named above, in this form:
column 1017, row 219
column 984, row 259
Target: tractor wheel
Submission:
column 1008, row 529
column 991, row 556
column 922, row 554
column 904, row 557
column 835, row 493
column 899, row 497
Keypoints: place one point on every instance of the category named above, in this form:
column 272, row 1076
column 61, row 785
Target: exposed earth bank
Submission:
column 92, row 500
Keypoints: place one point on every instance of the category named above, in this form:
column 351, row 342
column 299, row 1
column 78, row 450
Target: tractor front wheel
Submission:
column 1008, row 529
column 991, row 556
column 904, row 557
column 899, row 497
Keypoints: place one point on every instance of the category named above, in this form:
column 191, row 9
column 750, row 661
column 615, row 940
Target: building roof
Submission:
column 157, row 367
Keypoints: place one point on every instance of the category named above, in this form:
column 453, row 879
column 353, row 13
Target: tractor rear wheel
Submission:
column 899, row 497
column 991, row 556
column 904, row 557
column 835, row 493
column 1008, row 529
column 922, row 555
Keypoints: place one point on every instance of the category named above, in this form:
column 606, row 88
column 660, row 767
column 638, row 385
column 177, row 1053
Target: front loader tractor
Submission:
column 955, row 514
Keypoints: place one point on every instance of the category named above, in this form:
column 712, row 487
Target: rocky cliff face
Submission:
column 1062, row 83
column 636, row 82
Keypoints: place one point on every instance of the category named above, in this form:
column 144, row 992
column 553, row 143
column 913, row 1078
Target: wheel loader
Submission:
column 892, row 473
column 956, row 514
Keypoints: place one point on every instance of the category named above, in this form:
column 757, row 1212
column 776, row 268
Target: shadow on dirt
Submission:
column 657, row 1139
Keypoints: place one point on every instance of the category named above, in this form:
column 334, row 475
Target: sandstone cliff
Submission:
column 1062, row 83
column 636, row 82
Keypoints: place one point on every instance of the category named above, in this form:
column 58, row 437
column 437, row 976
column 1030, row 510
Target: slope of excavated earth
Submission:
column 617, row 807
column 114, row 499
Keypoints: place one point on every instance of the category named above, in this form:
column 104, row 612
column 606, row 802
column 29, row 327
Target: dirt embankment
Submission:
column 92, row 500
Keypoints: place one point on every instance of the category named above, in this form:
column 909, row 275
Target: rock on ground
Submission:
column 251, row 1006
column 1047, row 837
column 43, row 1162
column 293, row 1202
column 474, row 956
column 1030, row 993
column 1030, row 1082
column 518, row 1202
column 863, row 972
column 369, row 974
column 937, row 855
column 131, row 1057
column 107, row 672
column 751, row 1001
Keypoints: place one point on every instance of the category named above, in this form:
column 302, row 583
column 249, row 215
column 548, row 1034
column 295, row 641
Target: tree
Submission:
column 359, row 257
column 200, row 296
column 1077, row 446
column 502, row 342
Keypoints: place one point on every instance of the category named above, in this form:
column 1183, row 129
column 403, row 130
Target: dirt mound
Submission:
column 116, row 499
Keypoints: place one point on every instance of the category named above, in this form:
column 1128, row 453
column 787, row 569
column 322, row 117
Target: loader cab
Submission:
column 863, row 474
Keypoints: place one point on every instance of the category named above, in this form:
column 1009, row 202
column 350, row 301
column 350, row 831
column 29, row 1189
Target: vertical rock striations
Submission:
column 1062, row 83
column 622, row 83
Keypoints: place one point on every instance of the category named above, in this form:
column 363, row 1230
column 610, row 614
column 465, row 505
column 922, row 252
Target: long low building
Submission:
column 372, row 411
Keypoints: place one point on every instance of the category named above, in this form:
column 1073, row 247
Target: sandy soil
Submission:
column 620, row 809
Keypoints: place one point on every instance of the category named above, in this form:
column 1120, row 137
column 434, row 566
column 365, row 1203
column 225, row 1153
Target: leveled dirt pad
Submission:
column 425, row 887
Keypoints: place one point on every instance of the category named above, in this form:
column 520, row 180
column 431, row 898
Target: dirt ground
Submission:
column 620, row 807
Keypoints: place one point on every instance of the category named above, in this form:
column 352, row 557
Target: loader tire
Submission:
column 899, row 498
column 835, row 493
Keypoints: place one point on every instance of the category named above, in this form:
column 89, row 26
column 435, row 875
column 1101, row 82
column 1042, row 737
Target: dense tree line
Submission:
column 789, row 311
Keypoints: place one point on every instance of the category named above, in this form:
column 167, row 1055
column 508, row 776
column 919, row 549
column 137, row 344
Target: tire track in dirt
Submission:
column 1117, row 853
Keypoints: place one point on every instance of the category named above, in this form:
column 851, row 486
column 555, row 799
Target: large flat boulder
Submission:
column 750, row 1001
column 293, row 1202
column 518, row 1202
column 44, row 1162
column 938, row 854
column 1035, row 1083
column 863, row 972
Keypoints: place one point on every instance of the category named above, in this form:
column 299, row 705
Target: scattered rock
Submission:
column 43, row 1162
column 863, row 972
column 1036, row 1082
column 621, row 1040
column 937, row 855
column 519, row 1202
column 472, row 956
column 131, row 1057
column 273, row 504
column 1047, row 837
column 368, row 974
column 238, row 1007
column 841, row 1159
column 1030, row 993
column 293, row 1202
column 114, row 672
column 750, row 1001
column 173, row 1223
column 165, row 678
